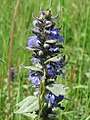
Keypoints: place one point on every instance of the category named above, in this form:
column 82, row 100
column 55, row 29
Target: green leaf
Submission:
column 2, row 60
column 29, row 104
column 80, row 86
column 25, row 108
column 57, row 89
column 54, row 59
column 27, row 101
column 31, row 68
column 32, row 115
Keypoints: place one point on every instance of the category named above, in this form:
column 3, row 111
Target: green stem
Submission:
column 50, row 5
column 41, row 96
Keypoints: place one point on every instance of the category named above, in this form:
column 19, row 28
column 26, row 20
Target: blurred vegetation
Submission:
column 74, row 16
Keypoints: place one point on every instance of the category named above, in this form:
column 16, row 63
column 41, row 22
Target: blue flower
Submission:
column 54, row 48
column 35, row 77
column 62, row 62
column 54, row 100
column 33, row 41
column 59, row 98
column 59, row 66
column 51, row 97
column 55, row 68
column 54, row 34
column 13, row 74
column 51, row 70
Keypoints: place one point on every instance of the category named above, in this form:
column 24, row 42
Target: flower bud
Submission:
column 35, row 22
column 46, row 45
column 40, row 53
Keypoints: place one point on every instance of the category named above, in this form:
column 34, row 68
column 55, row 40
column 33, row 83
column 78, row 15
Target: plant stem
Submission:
column 11, row 43
column 50, row 5
column 41, row 96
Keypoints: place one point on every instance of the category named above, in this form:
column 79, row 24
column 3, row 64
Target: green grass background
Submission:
column 74, row 16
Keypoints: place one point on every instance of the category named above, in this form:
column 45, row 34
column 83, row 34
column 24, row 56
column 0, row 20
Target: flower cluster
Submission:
column 46, row 48
column 35, row 78
column 54, row 100
column 13, row 74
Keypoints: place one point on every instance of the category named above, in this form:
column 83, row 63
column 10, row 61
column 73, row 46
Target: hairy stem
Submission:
column 41, row 96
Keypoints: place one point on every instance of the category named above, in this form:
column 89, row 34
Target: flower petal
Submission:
column 33, row 41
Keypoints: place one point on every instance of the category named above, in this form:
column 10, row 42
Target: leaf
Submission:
column 70, row 112
column 25, row 108
column 32, row 115
column 32, row 49
column 88, row 118
column 32, row 107
column 54, row 59
column 31, row 68
column 27, row 101
column 2, row 60
column 29, row 104
column 80, row 87
column 57, row 89
column 38, row 65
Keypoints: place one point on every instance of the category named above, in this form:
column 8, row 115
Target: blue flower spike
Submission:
column 48, row 63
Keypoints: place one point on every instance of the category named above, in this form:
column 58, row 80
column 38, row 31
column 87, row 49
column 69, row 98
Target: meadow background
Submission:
column 74, row 16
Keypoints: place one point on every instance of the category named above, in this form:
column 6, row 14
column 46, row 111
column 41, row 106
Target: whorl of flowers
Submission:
column 47, row 64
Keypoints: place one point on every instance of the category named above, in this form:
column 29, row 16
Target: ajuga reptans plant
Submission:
column 47, row 60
